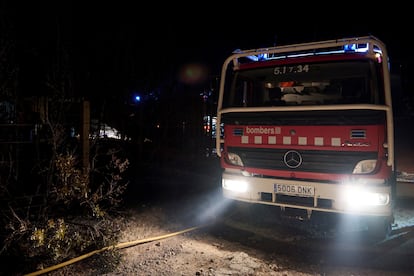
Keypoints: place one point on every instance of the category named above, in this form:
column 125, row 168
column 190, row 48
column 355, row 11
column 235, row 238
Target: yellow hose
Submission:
column 118, row 246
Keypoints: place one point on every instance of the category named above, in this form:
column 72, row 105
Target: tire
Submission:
column 379, row 228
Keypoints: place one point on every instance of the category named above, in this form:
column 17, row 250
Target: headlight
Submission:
column 234, row 159
column 365, row 166
column 358, row 196
column 235, row 185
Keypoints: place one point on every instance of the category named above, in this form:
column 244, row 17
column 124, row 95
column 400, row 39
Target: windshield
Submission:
column 322, row 83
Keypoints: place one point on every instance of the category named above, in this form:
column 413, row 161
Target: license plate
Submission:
column 293, row 189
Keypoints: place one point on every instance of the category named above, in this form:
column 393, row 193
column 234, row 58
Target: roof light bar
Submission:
column 348, row 48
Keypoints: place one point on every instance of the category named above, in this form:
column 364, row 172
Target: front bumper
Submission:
column 367, row 198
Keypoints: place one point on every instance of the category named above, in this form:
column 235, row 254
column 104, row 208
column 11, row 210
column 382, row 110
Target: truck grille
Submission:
column 334, row 162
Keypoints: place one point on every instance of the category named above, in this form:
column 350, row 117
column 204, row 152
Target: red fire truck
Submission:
column 325, row 144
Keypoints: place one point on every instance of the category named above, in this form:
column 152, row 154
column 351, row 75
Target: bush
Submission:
column 74, row 214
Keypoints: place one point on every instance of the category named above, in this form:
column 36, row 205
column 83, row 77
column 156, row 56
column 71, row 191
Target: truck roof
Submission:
column 368, row 46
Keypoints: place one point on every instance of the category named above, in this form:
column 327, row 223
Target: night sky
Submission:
column 126, row 45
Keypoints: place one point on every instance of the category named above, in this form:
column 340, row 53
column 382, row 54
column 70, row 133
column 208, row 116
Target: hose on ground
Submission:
column 112, row 247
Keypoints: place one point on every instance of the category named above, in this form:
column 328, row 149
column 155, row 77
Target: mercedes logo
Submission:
column 292, row 159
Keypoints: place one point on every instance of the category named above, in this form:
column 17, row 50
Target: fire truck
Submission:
column 326, row 145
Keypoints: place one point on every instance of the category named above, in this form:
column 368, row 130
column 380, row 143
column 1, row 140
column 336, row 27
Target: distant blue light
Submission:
column 137, row 98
